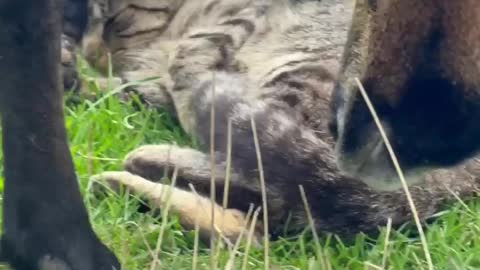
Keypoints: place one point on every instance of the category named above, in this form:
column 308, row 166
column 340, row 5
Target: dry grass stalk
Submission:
column 266, row 243
column 320, row 256
column 249, row 239
column 213, row 259
column 197, row 234
column 226, row 189
column 233, row 252
column 164, row 220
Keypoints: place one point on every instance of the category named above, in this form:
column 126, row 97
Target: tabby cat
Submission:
column 274, row 61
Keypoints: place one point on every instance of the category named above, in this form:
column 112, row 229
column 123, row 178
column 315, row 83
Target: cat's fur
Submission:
column 273, row 61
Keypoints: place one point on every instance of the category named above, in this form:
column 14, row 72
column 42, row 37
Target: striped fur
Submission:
column 275, row 61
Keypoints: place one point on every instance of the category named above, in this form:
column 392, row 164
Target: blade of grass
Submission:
column 387, row 243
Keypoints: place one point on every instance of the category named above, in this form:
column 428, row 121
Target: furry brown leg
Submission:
column 190, row 207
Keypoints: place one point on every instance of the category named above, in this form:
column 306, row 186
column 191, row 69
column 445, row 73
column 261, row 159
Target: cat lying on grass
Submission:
column 274, row 62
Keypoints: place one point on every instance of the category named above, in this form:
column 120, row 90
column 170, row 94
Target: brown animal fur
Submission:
column 274, row 61
column 419, row 62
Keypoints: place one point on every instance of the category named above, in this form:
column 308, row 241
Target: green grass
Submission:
column 102, row 133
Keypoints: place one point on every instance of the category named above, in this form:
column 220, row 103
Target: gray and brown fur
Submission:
column 419, row 63
column 275, row 61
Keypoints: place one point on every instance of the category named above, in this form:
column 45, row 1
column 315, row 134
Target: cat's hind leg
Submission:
column 192, row 209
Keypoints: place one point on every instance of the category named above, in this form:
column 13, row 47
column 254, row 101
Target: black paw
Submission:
column 70, row 249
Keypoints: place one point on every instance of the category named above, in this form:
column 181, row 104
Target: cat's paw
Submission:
column 157, row 161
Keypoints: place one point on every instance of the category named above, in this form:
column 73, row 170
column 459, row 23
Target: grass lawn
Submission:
column 102, row 132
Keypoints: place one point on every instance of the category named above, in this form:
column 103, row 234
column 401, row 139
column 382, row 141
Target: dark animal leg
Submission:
column 45, row 224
